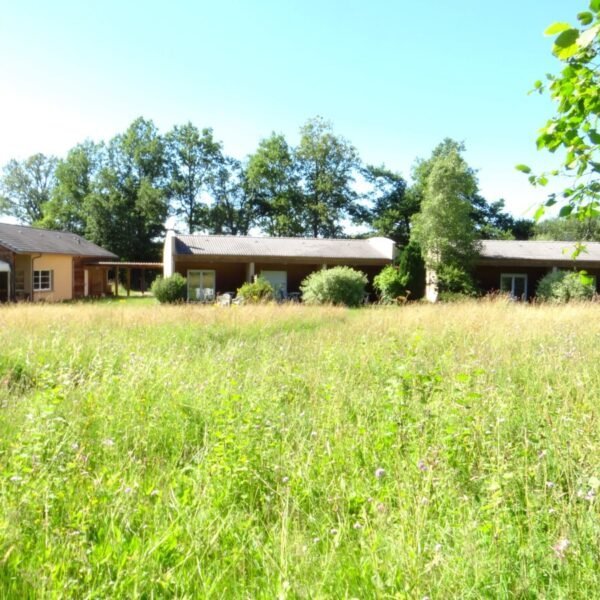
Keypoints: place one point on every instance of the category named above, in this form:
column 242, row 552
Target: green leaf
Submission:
column 523, row 168
column 565, row 45
column 557, row 28
column 595, row 5
column 565, row 211
column 585, row 18
column 543, row 180
column 539, row 213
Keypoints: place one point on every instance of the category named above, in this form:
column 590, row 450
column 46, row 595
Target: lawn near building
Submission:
column 290, row 451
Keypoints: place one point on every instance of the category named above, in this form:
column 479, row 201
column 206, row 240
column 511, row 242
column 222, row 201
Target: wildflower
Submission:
column 560, row 548
column 316, row 540
column 422, row 466
column 379, row 473
column 550, row 484
column 16, row 479
column 590, row 496
column 380, row 507
column 357, row 525
column 108, row 442
column 285, row 479
column 313, row 434
column 333, row 531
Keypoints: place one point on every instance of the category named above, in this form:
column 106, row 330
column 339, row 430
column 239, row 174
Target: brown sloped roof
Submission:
column 23, row 239
column 281, row 247
column 533, row 250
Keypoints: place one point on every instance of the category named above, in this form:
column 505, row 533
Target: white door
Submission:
column 278, row 279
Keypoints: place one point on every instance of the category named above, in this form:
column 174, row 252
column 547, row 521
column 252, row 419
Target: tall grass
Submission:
column 263, row 452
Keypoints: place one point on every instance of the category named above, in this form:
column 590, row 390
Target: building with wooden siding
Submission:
column 39, row 264
column 516, row 267
column 217, row 264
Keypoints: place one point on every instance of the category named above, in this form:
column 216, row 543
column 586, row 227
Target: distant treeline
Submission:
column 120, row 193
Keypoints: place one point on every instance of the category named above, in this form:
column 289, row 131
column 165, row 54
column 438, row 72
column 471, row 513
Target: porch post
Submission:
column 250, row 272
column 116, row 282
column 128, row 281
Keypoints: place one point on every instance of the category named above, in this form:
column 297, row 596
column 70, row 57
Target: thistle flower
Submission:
column 379, row 473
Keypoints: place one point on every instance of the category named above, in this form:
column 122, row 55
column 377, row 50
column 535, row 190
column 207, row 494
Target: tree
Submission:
column 26, row 187
column 232, row 211
column 392, row 204
column 194, row 158
column 574, row 129
column 273, row 180
column 443, row 228
column 75, row 177
column 568, row 230
column 128, row 207
column 326, row 165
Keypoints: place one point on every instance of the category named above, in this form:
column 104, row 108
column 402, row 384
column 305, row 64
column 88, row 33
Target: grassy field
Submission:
column 295, row 452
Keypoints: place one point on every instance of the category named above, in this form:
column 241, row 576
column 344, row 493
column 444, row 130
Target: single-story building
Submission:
column 216, row 264
column 516, row 266
column 39, row 264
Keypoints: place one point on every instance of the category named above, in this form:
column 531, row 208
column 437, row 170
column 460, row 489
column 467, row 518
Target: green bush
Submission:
column 389, row 284
column 169, row 289
column 453, row 279
column 260, row 290
column 563, row 286
column 412, row 271
column 339, row 285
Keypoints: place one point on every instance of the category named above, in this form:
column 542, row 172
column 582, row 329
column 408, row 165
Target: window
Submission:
column 42, row 281
column 201, row 286
column 278, row 279
column 514, row 284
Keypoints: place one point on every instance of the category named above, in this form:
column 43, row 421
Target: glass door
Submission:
column 201, row 285
column 514, row 284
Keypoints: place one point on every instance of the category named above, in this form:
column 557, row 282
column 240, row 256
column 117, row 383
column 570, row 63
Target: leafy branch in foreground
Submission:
column 575, row 128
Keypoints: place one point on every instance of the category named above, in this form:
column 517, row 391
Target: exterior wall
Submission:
column 23, row 265
column 62, row 284
column 488, row 276
column 231, row 275
column 97, row 281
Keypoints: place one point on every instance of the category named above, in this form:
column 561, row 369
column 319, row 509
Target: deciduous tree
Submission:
column 273, row 180
column 193, row 160
column 128, row 208
column 327, row 164
column 26, row 187
column 574, row 129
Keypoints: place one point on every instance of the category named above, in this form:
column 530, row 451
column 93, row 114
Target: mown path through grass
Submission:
column 445, row 451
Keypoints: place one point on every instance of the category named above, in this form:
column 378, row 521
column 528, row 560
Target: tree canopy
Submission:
column 574, row 131
column 120, row 193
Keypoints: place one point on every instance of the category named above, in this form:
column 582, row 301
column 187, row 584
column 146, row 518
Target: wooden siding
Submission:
column 488, row 276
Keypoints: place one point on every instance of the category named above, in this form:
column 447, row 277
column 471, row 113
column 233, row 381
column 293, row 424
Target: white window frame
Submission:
column 38, row 283
column 214, row 289
column 514, row 276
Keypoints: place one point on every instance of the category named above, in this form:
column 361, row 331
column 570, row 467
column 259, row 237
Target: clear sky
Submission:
column 394, row 77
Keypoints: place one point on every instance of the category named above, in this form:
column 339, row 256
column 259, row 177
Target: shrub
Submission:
column 563, row 286
column 260, row 290
column 339, row 285
column 412, row 271
column 390, row 284
column 169, row 289
column 455, row 280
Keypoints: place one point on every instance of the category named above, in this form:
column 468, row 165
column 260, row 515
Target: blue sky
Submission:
column 394, row 77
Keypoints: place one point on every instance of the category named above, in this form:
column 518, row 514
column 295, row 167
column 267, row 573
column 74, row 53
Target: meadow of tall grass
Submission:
column 296, row 452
